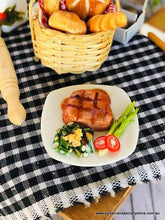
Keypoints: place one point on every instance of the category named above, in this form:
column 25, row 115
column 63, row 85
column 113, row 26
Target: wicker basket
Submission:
column 68, row 53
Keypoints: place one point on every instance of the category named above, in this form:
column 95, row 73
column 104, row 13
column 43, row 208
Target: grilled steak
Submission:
column 90, row 107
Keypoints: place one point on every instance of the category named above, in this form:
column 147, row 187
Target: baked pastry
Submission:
column 68, row 22
column 105, row 22
column 87, row 8
column 50, row 6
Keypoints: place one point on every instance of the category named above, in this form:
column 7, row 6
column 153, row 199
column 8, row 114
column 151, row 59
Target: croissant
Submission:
column 87, row 8
column 50, row 6
column 68, row 22
column 105, row 22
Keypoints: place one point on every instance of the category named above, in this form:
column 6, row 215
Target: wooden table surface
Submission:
column 104, row 209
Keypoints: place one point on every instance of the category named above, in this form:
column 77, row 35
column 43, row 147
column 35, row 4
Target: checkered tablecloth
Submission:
column 31, row 183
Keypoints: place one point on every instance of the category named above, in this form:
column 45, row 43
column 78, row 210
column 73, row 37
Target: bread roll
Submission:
column 87, row 8
column 67, row 22
column 105, row 22
column 50, row 6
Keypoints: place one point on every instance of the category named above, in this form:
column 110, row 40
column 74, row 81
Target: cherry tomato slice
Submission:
column 100, row 143
column 112, row 143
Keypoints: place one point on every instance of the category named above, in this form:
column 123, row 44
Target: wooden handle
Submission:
column 156, row 40
column 9, row 86
column 30, row 18
column 117, row 5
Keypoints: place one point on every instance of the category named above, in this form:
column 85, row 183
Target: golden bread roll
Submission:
column 121, row 19
column 50, row 6
column 105, row 22
column 94, row 22
column 67, row 22
column 87, row 8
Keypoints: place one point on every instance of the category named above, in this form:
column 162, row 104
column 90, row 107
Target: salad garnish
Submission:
column 73, row 138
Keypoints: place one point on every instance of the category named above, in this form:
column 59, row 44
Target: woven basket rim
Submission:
column 74, row 35
column 80, row 36
column 68, row 34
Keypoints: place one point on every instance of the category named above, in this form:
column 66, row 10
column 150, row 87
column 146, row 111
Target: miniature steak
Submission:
column 90, row 107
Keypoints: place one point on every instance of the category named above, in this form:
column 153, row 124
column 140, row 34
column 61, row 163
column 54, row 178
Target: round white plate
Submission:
column 51, row 120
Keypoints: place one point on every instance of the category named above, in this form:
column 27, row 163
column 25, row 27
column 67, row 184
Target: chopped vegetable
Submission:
column 100, row 143
column 10, row 16
column 72, row 138
column 109, row 142
column 117, row 127
column 2, row 16
column 118, row 132
column 112, row 143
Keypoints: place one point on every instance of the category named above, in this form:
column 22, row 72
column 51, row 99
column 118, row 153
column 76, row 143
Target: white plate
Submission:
column 51, row 120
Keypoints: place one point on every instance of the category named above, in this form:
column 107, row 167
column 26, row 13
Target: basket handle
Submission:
column 117, row 5
column 30, row 17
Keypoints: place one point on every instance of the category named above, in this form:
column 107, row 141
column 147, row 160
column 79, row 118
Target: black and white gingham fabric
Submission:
column 31, row 183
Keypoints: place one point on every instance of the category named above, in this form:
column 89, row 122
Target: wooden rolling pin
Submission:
column 9, row 86
column 154, row 38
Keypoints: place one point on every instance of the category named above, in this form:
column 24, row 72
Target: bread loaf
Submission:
column 105, row 22
column 68, row 22
column 87, row 8
column 50, row 6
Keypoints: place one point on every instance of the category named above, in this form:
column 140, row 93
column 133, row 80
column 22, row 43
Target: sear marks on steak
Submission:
column 90, row 107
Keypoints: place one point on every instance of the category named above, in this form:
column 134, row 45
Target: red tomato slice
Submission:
column 2, row 15
column 100, row 143
column 112, row 143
